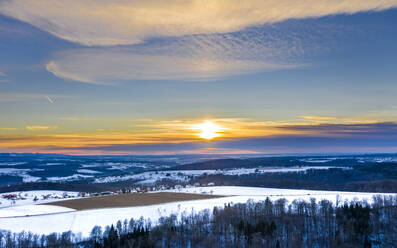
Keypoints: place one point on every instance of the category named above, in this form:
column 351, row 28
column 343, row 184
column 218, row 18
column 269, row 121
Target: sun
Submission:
column 208, row 130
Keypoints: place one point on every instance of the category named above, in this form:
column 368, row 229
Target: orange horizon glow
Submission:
column 67, row 136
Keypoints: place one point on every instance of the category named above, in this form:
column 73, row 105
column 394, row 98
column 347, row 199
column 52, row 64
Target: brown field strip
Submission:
column 128, row 200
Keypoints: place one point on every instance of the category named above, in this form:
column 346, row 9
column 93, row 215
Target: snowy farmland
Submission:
column 58, row 219
column 151, row 177
column 22, row 198
column 26, row 202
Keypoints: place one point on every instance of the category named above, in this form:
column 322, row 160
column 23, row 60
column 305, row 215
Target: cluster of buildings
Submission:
column 10, row 196
column 13, row 197
column 144, row 189
column 141, row 189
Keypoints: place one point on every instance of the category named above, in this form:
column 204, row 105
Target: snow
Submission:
column 12, row 163
column 12, row 171
column 87, row 171
column 27, row 210
column 151, row 177
column 123, row 166
column 116, row 166
column 51, row 164
column 377, row 159
column 244, row 171
column 84, row 221
column 20, row 173
column 92, row 165
column 27, row 197
column 68, row 178
column 26, row 178
column 317, row 160
column 275, row 192
column 385, row 160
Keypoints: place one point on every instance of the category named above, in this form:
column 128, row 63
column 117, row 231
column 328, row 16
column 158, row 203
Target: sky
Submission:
column 143, row 77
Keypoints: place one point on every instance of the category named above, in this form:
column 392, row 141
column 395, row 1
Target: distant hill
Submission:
column 285, row 161
column 215, row 164
column 230, row 163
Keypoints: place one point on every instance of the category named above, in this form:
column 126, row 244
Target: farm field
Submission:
column 129, row 200
column 82, row 214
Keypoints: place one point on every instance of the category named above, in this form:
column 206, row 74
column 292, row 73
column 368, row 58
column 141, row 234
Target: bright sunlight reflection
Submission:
column 208, row 130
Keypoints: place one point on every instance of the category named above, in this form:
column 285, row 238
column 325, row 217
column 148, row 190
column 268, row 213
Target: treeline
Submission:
column 368, row 178
column 79, row 187
column 285, row 161
column 261, row 224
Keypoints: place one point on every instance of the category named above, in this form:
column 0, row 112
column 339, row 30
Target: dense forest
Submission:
column 374, row 177
column 282, row 161
column 253, row 224
column 65, row 186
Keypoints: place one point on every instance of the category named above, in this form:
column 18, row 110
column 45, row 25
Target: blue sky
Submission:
column 77, row 84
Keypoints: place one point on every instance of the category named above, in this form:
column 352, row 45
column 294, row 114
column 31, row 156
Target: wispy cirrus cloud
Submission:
column 319, row 119
column 7, row 128
column 41, row 128
column 198, row 57
column 380, row 129
column 108, row 66
column 324, row 118
column 195, row 40
column 78, row 118
column 103, row 22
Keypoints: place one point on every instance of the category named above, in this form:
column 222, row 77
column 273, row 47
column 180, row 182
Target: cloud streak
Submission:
column 319, row 119
column 108, row 66
column 7, row 128
column 103, row 22
column 40, row 128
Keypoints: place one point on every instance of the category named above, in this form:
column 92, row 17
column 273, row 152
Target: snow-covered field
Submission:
column 87, row 171
column 274, row 193
column 117, row 165
column 26, row 178
column 83, row 221
column 151, row 177
column 68, row 178
column 27, row 205
column 27, row 197
column 27, row 210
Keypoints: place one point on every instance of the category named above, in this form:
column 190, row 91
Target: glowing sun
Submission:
column 208, row 130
